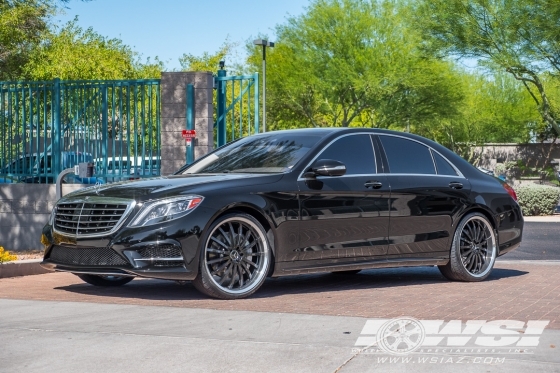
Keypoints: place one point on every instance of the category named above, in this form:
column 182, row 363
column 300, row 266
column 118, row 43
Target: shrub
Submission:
column 5, row 256
column 537, row 199
column 500, row 169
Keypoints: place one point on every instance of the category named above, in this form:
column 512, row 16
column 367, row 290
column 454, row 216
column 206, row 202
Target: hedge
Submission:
column 537, row 199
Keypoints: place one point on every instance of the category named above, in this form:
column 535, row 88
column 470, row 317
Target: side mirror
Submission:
column 326, row 167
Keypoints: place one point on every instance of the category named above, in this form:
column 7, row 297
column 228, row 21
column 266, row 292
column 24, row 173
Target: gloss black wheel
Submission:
column 105, row 280
column 473, row 251
column 235, row 258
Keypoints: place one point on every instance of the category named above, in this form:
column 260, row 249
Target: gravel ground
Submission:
column 28, row 254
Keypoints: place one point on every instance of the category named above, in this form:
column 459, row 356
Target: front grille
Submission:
column 94, row 256
column 163, row 252
column 88, row 218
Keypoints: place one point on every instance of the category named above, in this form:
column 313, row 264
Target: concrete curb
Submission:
column 22, row 268
column 543, row 219
column 534, row 262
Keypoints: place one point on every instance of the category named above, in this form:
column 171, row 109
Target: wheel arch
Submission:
column 255, row 212
column 484, row 211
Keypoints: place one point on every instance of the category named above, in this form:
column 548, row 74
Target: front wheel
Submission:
column 105, row 280
column 473, row 251
column 235, row 258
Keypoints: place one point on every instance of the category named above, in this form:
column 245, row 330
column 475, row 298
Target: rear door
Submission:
column 346, row 216
column 427, row 194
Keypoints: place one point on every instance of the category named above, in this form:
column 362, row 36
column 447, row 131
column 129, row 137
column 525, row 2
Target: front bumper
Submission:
column 179, row 274
column 166, row 251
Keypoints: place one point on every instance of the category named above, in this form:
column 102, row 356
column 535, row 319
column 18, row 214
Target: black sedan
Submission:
column 290, row 202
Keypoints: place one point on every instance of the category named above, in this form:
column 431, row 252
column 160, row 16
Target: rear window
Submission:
column 443, row 167
column 407, row 156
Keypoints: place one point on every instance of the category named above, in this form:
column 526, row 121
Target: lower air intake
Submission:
column 91, row 257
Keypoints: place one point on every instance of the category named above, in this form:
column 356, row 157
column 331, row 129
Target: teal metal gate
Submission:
column 237, row 106
column 51, row 125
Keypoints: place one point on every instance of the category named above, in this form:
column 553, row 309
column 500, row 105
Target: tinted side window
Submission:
column 355, row 151
column 407, row 156
column 443, row 167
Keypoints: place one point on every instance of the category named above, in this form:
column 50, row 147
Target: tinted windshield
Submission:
column 257, row 154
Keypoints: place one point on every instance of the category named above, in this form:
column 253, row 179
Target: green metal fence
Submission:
column 48, row 126
column 237, row 106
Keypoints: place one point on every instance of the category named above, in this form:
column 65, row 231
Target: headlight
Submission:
column 53, row 214
column 165, row 210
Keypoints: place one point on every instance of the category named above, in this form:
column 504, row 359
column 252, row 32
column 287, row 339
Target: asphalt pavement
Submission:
column 541, row 241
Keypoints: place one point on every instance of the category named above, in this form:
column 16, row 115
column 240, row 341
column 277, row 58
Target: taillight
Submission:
column 510, row 191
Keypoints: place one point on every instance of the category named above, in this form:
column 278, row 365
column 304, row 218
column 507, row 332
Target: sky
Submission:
column 170, row 28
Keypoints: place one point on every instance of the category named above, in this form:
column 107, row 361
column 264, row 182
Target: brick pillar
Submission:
column 173, row 117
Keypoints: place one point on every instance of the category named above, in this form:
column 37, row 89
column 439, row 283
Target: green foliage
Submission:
column 75, row 54
column 520, row 37
column 208, row 61
column 5, row 256
column 22, row 23
column 496, row 108
column 538, row 199
column 354, row 62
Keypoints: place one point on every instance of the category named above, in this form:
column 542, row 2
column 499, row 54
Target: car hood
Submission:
column 161, row 187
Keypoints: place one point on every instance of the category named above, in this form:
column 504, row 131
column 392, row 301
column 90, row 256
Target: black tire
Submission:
column 105, row 280
column 473, row 250
column 235, row 257
column 346, row 273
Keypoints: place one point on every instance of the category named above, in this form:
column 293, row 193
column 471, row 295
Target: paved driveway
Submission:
column 515, row 290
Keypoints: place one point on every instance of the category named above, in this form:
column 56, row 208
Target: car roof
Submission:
column 326, row 131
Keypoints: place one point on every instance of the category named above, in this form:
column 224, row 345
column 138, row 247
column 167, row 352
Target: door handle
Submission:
column 455, row 185
column 373, row 184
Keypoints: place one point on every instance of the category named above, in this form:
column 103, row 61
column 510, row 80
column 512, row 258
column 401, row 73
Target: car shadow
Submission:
column 161, row 290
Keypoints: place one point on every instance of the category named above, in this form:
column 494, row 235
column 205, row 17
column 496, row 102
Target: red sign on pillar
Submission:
column 189, row 135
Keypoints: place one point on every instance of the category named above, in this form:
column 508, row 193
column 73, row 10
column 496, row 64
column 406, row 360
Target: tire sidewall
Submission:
column 204, row 275
column 456, row 260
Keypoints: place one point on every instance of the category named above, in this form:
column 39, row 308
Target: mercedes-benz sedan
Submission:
column 285, row 203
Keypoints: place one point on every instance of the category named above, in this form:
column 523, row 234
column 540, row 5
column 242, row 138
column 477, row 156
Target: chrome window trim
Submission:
column 459, row 173
column 319, row 177
column 300, row 178
column 93, row 199
column 431, row 175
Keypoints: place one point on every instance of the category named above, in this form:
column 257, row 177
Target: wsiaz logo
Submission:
column 405, row 335
column 401, row 336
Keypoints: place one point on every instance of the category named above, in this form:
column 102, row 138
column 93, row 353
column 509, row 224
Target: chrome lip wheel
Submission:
column 236, row 256
column 477, row 246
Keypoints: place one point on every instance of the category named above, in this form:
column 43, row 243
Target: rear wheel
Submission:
column 105, row 280
column 235, row 258
column 473, row 251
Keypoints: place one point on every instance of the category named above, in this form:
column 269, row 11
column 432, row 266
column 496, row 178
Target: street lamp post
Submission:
column 264, row 43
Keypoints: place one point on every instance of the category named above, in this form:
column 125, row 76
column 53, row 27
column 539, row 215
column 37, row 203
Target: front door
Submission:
column 345, row 217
